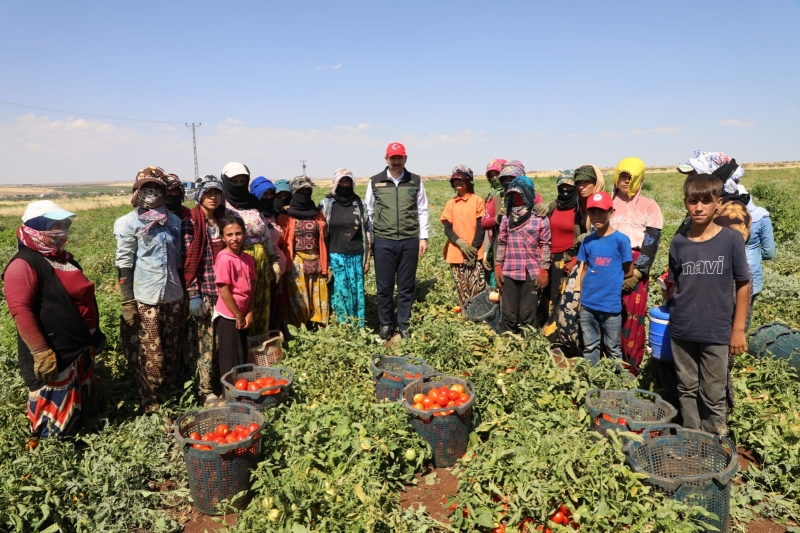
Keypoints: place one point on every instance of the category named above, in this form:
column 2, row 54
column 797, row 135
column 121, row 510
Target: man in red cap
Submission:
column 398, row 207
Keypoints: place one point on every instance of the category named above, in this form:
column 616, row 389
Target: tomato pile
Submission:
column 260, row 383
column 222, row 434
column 441, row 397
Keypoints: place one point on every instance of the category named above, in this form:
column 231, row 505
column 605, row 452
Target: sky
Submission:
column 554, row 84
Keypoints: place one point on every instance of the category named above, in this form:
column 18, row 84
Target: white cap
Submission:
column 47, row 209
column 235, row 169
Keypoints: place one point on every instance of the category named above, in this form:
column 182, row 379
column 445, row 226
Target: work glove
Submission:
column 45, row 366
column 542, row 279
column 197, row 307
column 98, row 341
column 487, row 265
column 498, row 275
column 276, row 269
column 469, row 251
column 540, row 209
column 129, row 312
column 630, row 283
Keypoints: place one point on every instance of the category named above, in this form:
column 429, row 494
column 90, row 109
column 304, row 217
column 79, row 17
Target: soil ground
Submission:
column 432, row 496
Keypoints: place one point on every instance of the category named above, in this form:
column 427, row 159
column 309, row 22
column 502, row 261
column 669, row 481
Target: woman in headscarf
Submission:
column 349, row 242
column 58, row 326
column 640, row 219
column 175, row 197
column 464, row 247
column 523, row 254
column 489, row 222
column 304, row 235
column 283, row 195
column 242, row 203
column 588, row 181
column 264, row 190
column 760, row 246
column 562, row 214
column 202, row 241
column 149, row 255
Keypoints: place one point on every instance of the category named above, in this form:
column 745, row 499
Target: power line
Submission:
column 85, row 114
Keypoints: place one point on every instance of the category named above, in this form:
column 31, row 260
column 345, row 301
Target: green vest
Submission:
column 395, row 214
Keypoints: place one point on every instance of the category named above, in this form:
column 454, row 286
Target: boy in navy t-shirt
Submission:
column 705, row 263
column 606, row 261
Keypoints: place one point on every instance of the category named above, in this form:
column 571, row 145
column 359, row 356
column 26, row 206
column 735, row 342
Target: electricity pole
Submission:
column 304, row 166
column 194, row 144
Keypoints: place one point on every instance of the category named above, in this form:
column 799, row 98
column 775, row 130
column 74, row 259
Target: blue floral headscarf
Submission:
column 523, row 186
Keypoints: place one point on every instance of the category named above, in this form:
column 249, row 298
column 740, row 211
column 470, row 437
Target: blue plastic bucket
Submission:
column 660, row 341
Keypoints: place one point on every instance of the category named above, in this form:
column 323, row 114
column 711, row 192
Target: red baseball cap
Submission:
column 395, row 149
column 600, row 200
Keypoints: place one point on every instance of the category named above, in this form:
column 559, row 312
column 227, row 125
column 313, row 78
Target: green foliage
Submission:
column 334, row 457
column 784, row 210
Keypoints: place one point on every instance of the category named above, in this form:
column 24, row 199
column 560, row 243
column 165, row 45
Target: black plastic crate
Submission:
column 257, row 399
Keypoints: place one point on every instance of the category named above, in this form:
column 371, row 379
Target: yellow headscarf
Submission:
column 635, row 168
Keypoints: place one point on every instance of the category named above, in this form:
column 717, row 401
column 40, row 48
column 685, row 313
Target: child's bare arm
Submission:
column 627, row 268
column 738, row 336
column 581, row 274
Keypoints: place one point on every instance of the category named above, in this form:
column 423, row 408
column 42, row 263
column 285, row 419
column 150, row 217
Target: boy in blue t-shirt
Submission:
column 705, row 263
column 606, row 260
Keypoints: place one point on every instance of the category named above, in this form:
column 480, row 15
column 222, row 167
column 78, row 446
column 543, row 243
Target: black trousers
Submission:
column 395, row 262
column 519, row 300
column 232, row 344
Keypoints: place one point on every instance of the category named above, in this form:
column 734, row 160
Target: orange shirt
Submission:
column 462, row 212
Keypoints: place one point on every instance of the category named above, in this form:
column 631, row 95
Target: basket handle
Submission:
column 655, row 396
column 414, row 360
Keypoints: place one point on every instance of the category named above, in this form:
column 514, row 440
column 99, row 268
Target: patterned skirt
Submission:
column 55, row 409
column 634, row 310
column 261, row 289
column 569, row 337
column 470, row 281
column 308, row 291
column 347, row 296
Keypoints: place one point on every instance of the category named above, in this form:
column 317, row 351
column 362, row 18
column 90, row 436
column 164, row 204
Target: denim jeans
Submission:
column 592, row 324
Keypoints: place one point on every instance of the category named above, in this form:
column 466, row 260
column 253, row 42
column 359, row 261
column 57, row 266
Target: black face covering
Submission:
column 267, row 207
column 567, row 199
column 344, row 192
column 173, row 203
column 279, row 203
column 302, row 206
column 239, row 196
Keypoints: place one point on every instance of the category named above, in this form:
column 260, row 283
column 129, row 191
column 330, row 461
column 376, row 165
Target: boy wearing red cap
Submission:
column 606, row 260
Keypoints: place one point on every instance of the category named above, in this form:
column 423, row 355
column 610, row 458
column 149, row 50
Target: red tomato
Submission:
column 418, row 406
column 270, row 392
column 499, row 529
column 434, row 394
column 459, row 402
column 418, row 398
column 269, row 381
column 222, row 430
column 558, row 518
column 443, row 389
column 253, row 386
column 240, row 429
column 241, row 384
column 262, row 382
column 464, row 397
column 194, row 435
column 209, row 436
column 231, row 437
column 442, row 401
column 281, row 382
column 453, row 395
column 622, row 421
column 458, row 387
column 221, row 440
column 427, row 402
column 252, row 428
column 564, row 510
column 201, row 447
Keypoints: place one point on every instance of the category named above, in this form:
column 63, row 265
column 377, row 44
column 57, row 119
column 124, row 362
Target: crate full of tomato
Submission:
column 627, row 410
column 263, row 387
column 391, row 374
column 440, row 410
column 220, row 447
